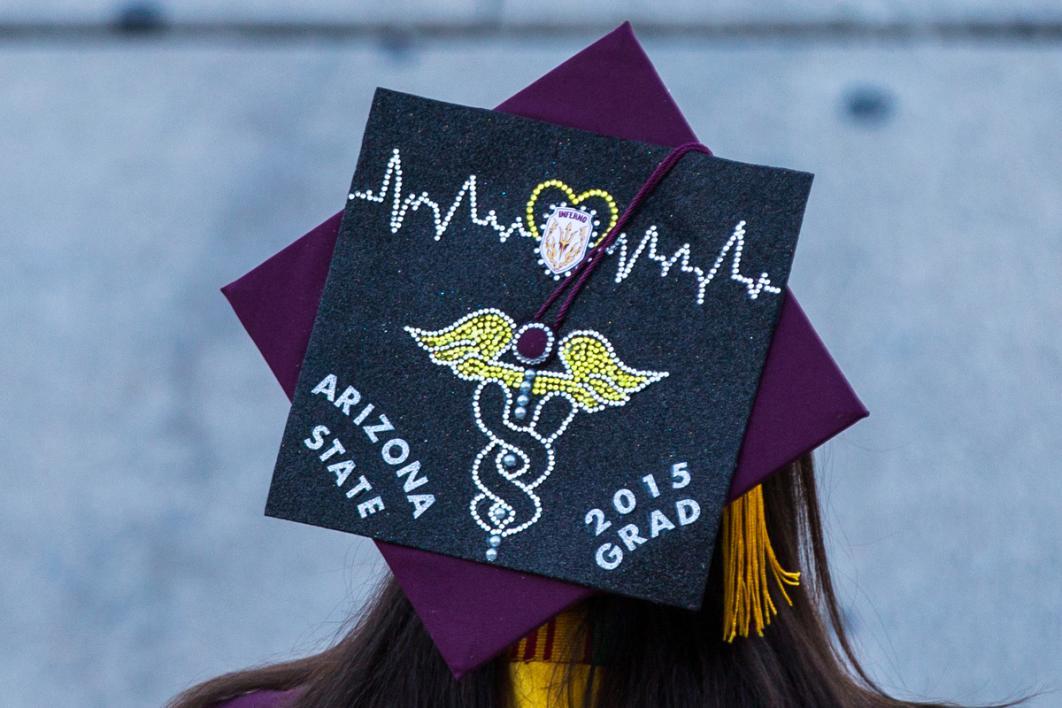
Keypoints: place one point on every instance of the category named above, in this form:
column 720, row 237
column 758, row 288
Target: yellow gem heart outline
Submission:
column 573, row 199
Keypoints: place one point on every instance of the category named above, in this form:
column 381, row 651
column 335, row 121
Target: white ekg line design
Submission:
column 412, row 202
column 647, row 245
column 401, row 205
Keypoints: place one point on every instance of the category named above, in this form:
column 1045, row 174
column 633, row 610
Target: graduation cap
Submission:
column 646, row 393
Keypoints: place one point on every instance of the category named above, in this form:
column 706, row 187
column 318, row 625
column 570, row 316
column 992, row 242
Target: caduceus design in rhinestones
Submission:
column 522, row 410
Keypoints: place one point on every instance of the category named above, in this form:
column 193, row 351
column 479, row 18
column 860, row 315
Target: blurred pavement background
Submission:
column 150, row 153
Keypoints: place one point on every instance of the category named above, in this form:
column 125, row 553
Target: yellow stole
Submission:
column 541, row 663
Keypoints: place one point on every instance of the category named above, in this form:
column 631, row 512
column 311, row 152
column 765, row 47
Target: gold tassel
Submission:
column 747, row 555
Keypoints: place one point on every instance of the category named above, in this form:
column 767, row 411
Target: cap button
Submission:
column 534, row 343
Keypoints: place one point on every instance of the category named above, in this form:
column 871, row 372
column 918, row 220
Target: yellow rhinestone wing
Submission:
column 594, row 375
column 471, row 345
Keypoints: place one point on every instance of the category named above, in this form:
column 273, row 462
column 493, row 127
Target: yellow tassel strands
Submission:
column 747, row 558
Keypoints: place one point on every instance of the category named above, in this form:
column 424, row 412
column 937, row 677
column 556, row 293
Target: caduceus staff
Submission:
column 523, row 411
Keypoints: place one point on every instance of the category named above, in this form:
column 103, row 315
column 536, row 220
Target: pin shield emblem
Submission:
column 564, row 239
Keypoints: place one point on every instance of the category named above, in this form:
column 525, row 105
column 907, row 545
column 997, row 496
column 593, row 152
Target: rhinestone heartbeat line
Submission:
column 402, row 204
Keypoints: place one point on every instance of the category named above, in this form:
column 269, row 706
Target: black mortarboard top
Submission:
column 418, row 420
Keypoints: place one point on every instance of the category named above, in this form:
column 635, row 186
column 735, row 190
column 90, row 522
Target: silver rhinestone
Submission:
column 523, row 399
column 509, row 460
column 492, row 554
column 520, row 413
column 494, row 541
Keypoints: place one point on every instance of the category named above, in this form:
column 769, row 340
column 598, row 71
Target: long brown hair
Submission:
column 662, row 657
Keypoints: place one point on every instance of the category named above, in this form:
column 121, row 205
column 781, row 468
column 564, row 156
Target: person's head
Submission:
column 659, row 657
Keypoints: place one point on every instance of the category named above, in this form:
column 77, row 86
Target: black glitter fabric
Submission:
column 656, row 370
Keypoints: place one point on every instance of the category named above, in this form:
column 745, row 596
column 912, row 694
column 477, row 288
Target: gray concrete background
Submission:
column 558, row 14
column 139, row 424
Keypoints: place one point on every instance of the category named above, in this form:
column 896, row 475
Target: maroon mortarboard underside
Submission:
column 803, row 398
